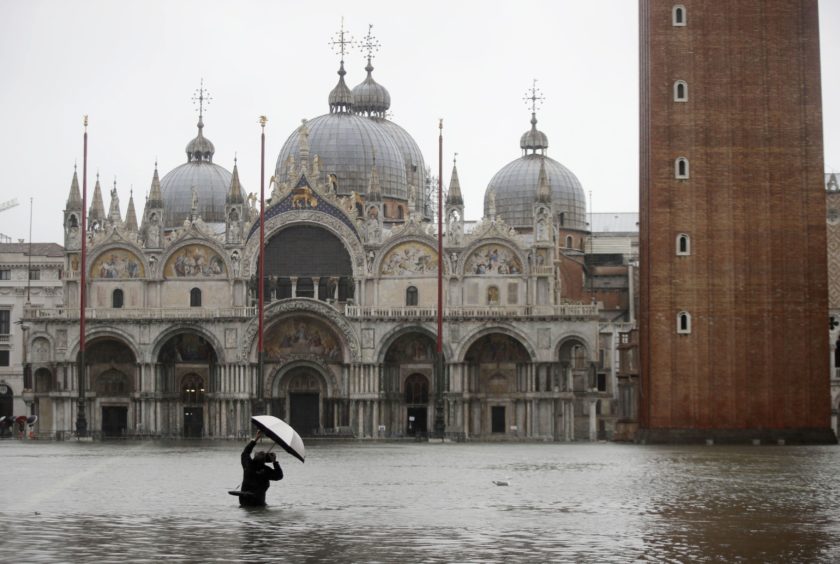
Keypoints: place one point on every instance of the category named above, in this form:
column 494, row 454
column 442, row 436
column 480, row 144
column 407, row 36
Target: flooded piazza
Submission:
column 421, row 502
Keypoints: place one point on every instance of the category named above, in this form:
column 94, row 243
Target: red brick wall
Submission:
column 754, row 206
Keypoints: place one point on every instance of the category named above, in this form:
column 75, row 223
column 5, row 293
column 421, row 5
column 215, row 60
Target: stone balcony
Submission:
column 37, row 314
column 564, row 311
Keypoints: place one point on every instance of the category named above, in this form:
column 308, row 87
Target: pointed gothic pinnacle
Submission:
column 74, row 199
column 130, row 214
column 454, row 198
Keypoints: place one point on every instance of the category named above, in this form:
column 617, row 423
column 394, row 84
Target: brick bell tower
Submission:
column 733, row 304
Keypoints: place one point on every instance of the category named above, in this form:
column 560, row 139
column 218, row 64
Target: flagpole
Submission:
column 440, row 380
column 81, row 420
column 261, row 274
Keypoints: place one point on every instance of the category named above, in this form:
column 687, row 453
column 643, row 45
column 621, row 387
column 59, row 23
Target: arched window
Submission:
column 195, row 297
column 679, row 15
column 562, row 219
column 680, row 91
column 411, row 296
column 192, row 389
column 117, row 298
column 416, row 389
column 681, row 168
column 683, row 245
column 683, row 323
column 578, row 357
column 569, row 242
column 399, row 212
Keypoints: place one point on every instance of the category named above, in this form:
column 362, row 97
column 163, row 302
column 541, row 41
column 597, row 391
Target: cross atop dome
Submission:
column 370, row 44
column 201, row 97
column 534, row 97
column 342, row 41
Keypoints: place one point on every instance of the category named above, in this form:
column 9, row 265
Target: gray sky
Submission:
column 134, row 66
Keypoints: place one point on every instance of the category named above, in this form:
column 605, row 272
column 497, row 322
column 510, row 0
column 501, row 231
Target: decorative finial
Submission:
column 156, row 163
column 370, row 44
column 86, row 120
column 263, row 121
column 455, row 159
column 534, row 97
column 440, row 124
column 202, row 97
column 235, row 157
column 341, row 41
column 75, row 164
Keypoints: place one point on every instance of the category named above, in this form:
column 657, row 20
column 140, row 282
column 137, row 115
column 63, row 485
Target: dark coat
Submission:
column 256, row 477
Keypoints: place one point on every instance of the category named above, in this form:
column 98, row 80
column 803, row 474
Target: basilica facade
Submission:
column 350, row 284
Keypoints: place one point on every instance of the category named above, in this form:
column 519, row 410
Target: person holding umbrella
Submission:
column 257, row 474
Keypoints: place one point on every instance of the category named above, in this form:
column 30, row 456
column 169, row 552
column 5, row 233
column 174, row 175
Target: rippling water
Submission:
column 416, row 502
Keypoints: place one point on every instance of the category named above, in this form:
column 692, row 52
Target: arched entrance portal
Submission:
column 409, row 371
column 417, row 404
column 187, row 361
column 112, row 369
column 298, row 397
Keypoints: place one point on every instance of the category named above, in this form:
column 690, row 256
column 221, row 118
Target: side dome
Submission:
column 516, row 186
column 347, row 146
column 211, row 183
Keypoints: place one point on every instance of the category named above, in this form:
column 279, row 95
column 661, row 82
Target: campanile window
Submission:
column 678, row 16
column 680, row 91
column 681, row 168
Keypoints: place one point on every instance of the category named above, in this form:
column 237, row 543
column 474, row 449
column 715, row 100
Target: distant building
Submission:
column 733, row 304
column 351, row 262
column 30, row 277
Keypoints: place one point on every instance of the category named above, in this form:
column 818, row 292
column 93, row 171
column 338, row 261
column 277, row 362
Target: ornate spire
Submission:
column 543, row 187
column 130, row 214
column 114, row 215
column 533, row 139
column 374, row 193
column 234, row 195
column 97, row 208
column 155, row 199
column 74, row 200
column 341, row 99
column 454, row 198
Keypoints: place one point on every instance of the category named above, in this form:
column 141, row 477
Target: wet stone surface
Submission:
column 396, row 502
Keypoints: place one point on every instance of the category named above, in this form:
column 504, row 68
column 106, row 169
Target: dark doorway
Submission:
column 193, row 422
column 497, row 416
column 114, row 420
column 303, row 414
column 417, row 424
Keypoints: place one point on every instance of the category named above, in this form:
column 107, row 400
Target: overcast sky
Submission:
column 134, row 66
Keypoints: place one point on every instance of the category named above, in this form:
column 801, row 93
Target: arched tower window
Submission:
column 681, row 168
column 195, row 297
column 411, row 296
column 569, row 242
column 683, row 323
column 679, row 15
column 117, row 299
column 680, row 91
column 683, row 245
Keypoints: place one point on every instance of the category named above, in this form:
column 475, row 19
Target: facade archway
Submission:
column 187, row 362
column 112, row 373
column 408, row 383
column 576, row 367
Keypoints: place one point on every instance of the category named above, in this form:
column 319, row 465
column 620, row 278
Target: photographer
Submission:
column 258, row 473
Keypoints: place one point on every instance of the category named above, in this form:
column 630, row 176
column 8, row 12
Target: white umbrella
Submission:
column 281, row 433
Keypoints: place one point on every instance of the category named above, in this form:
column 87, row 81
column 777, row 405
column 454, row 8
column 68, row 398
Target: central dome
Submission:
column 348, row 146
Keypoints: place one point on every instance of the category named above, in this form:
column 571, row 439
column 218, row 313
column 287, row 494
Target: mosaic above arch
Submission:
column 492, row 259
column 117, row 264
column 409, row 258
column 302, row 335
column 195, row 261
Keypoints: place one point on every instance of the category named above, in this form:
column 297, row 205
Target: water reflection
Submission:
column 421, row 502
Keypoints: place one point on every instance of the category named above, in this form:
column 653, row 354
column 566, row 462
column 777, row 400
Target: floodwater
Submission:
column 421, row 502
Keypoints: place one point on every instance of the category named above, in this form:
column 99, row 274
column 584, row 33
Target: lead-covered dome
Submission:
column 347, row 146
column 516, row 186
column 210, row 181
